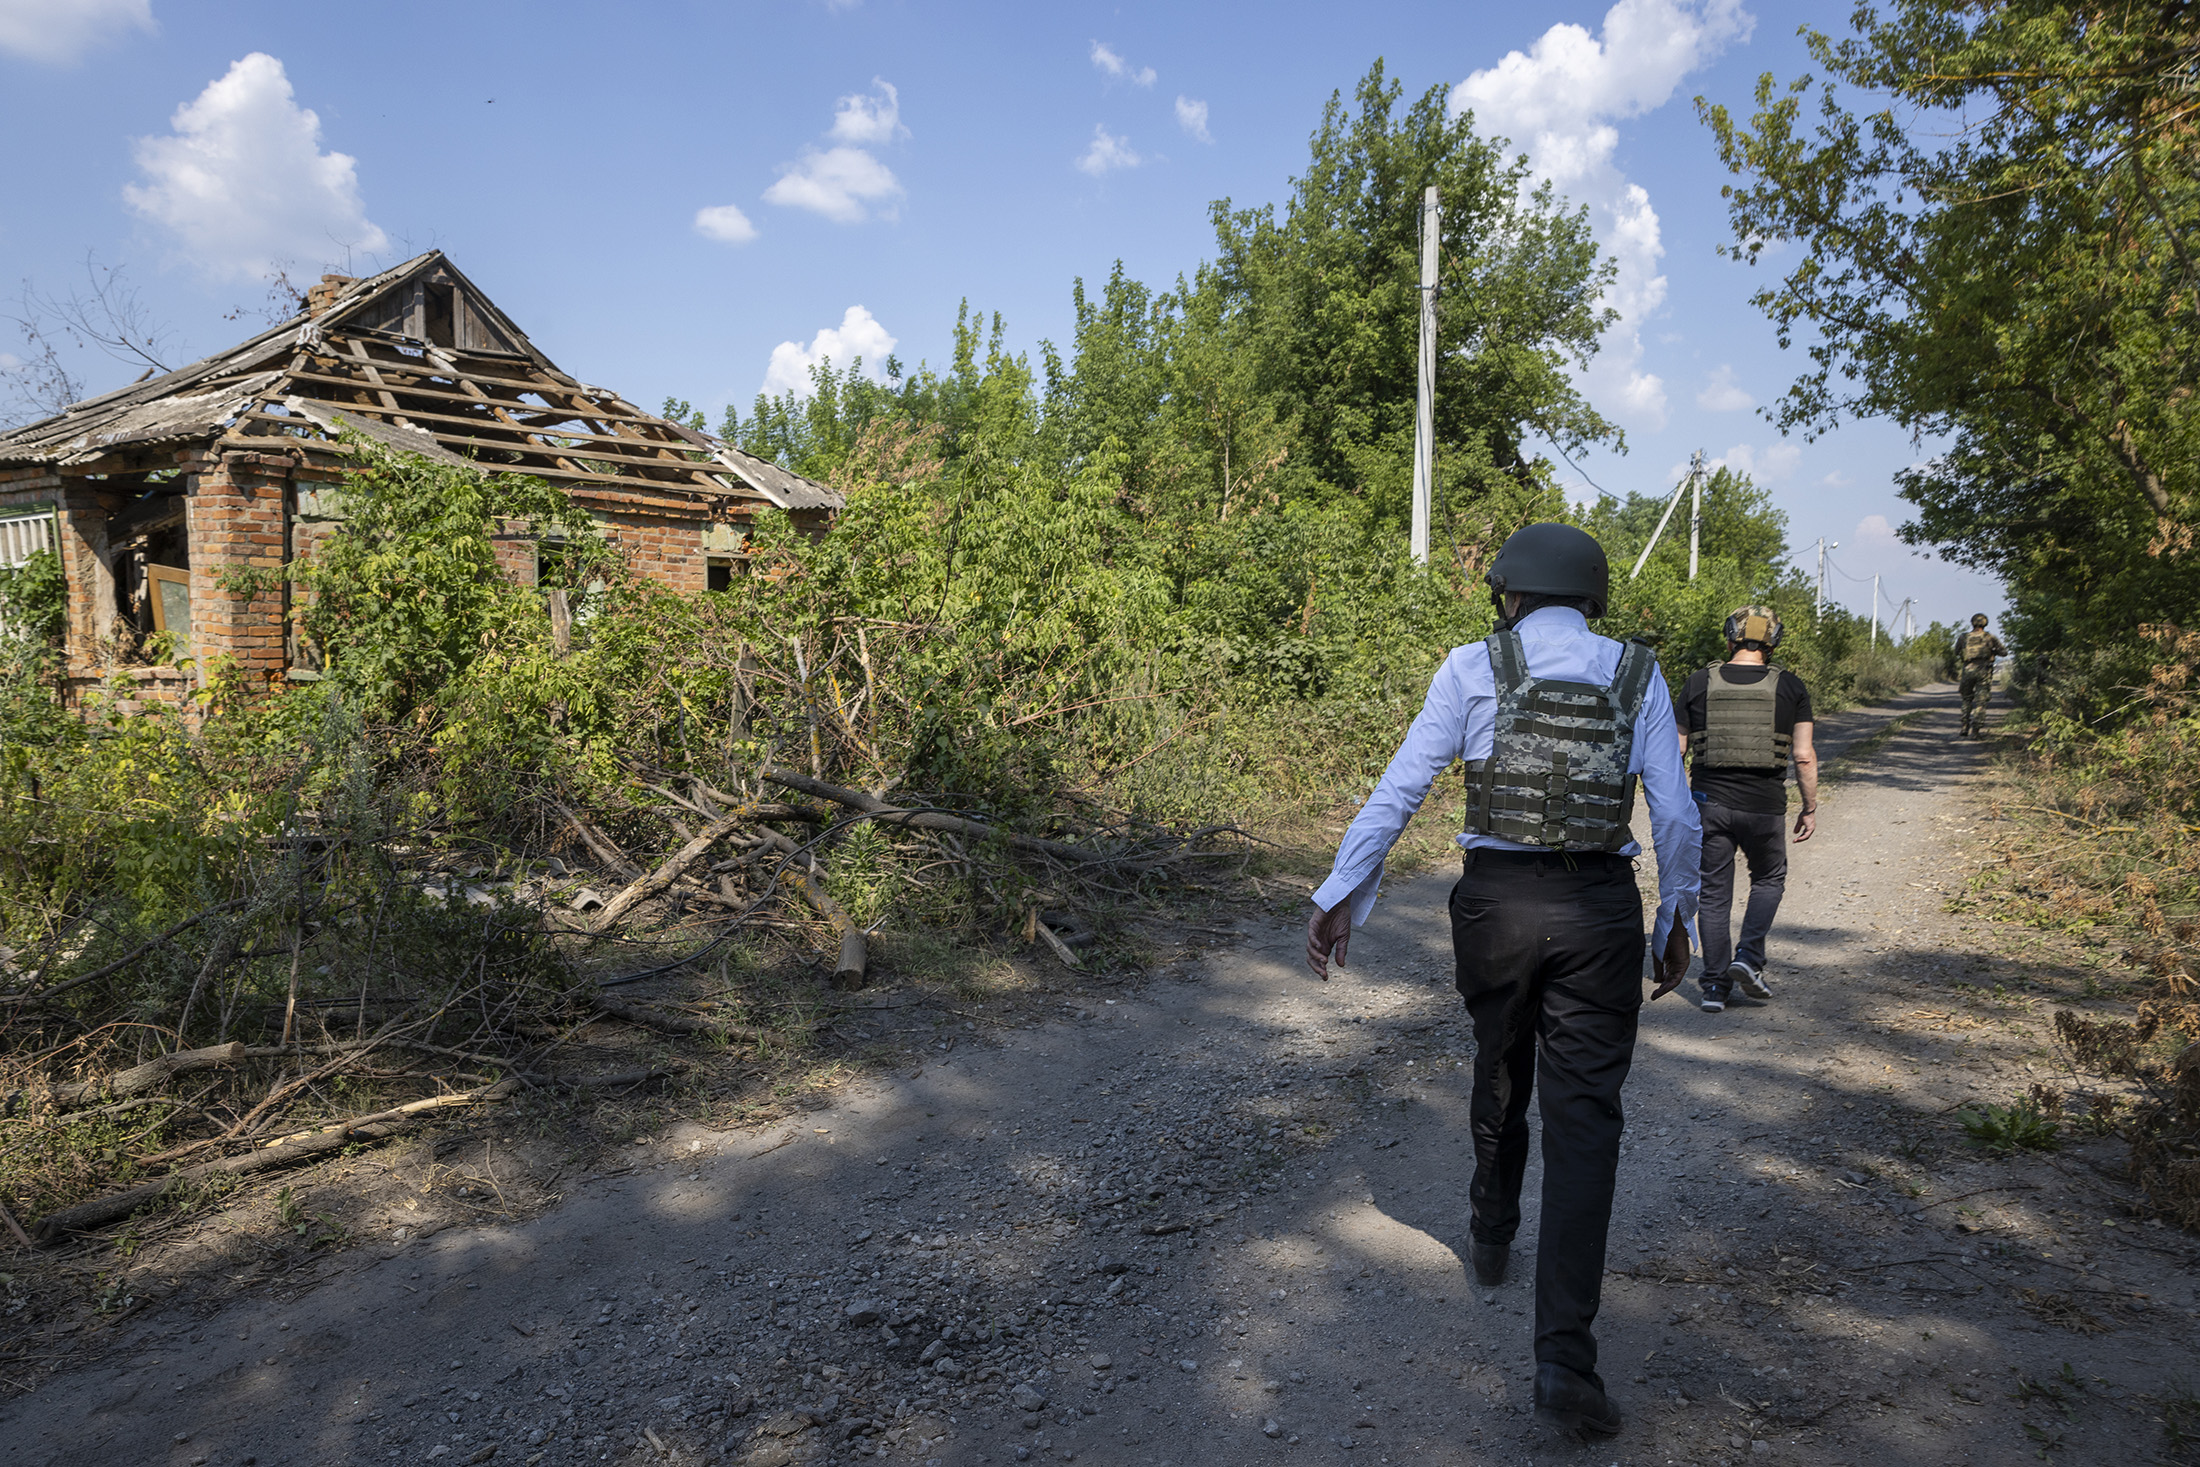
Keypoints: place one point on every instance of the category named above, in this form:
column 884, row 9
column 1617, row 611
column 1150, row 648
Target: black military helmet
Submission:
column 1754, row 626
column 1979, row 619
column 1552, row 560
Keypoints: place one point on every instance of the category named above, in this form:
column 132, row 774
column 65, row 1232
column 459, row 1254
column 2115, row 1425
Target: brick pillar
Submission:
column 87, row 562
column 235, row 516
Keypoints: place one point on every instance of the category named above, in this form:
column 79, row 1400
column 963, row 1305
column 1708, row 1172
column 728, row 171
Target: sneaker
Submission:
column 1748, row 980
column 1713, row 1000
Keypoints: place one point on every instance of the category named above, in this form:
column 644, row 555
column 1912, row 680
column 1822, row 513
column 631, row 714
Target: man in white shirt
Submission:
column 1556, row 724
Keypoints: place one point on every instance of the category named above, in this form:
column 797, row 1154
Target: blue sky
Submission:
column 693, row 199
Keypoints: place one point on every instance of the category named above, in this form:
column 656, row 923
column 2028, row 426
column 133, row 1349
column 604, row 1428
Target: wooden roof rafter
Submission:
column 419, row 358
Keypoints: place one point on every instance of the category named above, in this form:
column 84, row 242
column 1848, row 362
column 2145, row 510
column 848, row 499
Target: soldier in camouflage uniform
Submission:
column 1976, row 650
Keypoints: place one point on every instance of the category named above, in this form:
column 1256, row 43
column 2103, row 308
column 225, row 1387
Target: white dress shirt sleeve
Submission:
column 1430, row 747
column 1675, row 828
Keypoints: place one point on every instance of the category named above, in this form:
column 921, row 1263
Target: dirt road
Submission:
column 1222, row 1220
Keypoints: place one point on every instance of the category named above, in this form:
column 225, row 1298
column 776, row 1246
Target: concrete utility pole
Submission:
column 1695, row 511
column 1875, row 613
column 1424, row 416
column 1694, row 464
column 1818, row 607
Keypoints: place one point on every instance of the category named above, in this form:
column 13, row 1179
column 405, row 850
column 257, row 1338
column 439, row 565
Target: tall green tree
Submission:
column 1321, row 302
column 1998, row 247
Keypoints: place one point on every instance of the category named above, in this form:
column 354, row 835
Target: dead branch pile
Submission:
column 351, row 954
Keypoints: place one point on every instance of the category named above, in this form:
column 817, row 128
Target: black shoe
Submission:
column 1571, row 1402
column 1489, row 1263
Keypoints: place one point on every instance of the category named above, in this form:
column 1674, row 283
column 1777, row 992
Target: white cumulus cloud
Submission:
column 869, row 117
column 859, row 334
column 242, row 182
column 1875, row 530
column 1107, row 153
column 841, row 183
column 1111, row 64
column 1558, row 102
column 1722, row 394
column 724, row 223
column 1192, row 117
column 59, row 31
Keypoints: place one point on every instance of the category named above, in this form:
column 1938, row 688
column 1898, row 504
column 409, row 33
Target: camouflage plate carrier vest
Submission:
column 1978, row 649
column 1557, row 775
column 1740, row 723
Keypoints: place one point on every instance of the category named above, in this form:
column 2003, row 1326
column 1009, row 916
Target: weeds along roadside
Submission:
column 424, row 879
column 2102, row 815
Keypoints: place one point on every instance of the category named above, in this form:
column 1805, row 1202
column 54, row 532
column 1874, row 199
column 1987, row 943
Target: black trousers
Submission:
column 1550, row 964
column 1762, row 841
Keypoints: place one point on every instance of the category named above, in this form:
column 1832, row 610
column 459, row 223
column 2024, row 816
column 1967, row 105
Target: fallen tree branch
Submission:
column 934, row 820
column 676, row 1023
column 853, row 963
column 124, row 961
column 298, row 1146
column 599, row 845
column 138, row 1079
column 648, row 886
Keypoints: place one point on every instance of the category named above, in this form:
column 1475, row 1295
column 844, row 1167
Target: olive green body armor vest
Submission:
column 1741, row 723
column 1557, row 775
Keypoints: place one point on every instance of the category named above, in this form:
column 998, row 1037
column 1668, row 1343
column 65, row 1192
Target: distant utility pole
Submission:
column 1695, row 465
column 1695, row 511
column 1818, row 607
column 1875, row 613
column 1909, row 619
column 1424, row 416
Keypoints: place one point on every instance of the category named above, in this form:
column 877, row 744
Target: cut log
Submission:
column 851, row 967
column 142, row 1079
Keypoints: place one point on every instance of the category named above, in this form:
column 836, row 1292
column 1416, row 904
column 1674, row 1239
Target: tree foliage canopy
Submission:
column 1999, row 248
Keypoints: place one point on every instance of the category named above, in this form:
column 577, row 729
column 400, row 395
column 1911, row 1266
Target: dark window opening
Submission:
column 719, row 576
column 442, row 310
column 553, row 564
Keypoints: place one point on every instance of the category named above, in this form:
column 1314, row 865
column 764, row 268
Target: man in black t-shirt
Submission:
column 1742, row 720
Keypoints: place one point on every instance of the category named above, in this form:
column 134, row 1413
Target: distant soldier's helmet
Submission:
column 1754, row 626
column 1979, row 620
column 1553, row 560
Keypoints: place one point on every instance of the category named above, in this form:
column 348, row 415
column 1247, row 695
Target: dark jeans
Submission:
column 1762, row 840
column 1550, row 955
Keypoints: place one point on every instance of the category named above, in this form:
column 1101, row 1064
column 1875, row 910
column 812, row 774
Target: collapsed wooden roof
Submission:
column 415, row 358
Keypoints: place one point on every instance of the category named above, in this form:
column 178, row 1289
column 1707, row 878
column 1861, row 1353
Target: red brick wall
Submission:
column 237, row 513
column 134, row 689
column 92, row 608
column 235, row 516
column 661, row 548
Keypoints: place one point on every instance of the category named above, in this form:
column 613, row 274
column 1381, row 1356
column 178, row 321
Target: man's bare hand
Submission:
column 1674, row 965
column 1328, row 932
column 1806, row 825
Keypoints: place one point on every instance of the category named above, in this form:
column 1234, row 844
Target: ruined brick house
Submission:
column 147, row 493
